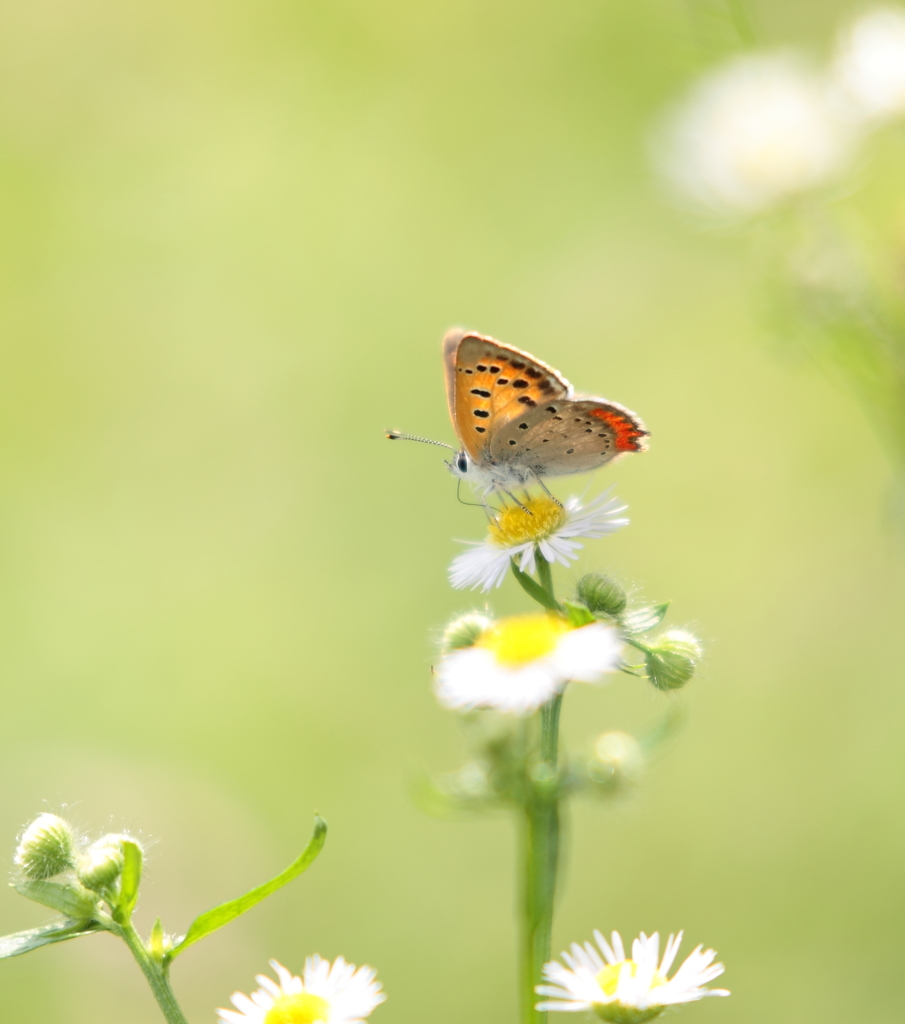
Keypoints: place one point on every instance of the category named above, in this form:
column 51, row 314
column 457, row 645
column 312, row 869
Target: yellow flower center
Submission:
column 516, row 526
column 300, row 1008
column 522, row 638
column 608, row 979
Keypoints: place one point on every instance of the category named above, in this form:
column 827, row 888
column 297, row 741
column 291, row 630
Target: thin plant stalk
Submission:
column 155, row 975
column 541, row 836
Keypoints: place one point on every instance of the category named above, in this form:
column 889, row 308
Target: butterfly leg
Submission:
column 546, row 490
column 524, row 508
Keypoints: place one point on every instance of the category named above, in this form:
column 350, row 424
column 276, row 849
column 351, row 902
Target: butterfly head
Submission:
column 460, row 465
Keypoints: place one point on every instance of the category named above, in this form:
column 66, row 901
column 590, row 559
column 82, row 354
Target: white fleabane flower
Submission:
column 623, row 990
column 520, row 662
column 546, row 526
column 336, row 993
column 870, row 67
column 758, row 131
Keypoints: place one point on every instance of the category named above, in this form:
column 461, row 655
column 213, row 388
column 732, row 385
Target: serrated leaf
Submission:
column 129, row 881
column 79, row 904
column 533, row 589
column 578, row 614
column 640, row 620
column 226, row 912
column 57, row 931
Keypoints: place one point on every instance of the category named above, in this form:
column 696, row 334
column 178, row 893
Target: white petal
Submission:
column 473, row 678
column 585, row 654
column 483, row 565
column 669, row 954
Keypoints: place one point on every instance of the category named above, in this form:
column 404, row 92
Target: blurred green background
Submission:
column 231, row 236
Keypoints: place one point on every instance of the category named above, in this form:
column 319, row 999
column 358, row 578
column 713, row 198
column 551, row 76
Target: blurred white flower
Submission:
column 546, row 526
column 628, row 991
column 520, row 662
column 870, row 66
column 757, row 131
column 333, row 994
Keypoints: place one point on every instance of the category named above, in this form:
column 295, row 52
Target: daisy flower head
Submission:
column 541, row 525
column 870, row 66
column 760, row 130
column 336, row 993
column 626, row 990
column 518, row 663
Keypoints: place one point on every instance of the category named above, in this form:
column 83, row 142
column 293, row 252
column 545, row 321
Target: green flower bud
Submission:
column 602, row 594
column 100, row 865
column 464, row 631
column 47, row 848
column 617, row 760
column 671, row 661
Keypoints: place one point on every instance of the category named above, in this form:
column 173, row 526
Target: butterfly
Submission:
column 519, row 420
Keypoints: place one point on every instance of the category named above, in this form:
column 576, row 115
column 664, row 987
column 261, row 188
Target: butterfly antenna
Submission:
column 489, row 509
column 397, row 435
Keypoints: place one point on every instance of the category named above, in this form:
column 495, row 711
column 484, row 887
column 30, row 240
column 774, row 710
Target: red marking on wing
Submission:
column 625, row 429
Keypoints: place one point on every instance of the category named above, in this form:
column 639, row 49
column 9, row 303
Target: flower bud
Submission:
column 464, row 631
column 671, row 661
column 617, row 760
column 101, row 864
column 47, row 848
column 602, row 594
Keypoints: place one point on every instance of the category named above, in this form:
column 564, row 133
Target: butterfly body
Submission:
column 519, row 420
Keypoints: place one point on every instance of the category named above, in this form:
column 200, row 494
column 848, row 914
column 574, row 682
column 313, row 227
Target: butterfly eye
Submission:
column 462, row 464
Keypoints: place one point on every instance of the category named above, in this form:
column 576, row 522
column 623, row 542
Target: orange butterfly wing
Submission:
column 489, row 384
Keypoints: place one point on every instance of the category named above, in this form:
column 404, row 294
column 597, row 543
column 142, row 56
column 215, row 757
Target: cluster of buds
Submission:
column 49, row 847
column 670, row 660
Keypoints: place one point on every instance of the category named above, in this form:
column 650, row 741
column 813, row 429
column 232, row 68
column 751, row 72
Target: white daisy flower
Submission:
column 547, row 527
column 755, row 132
column 519, row 663
column 334, row 993
column 870, row 67
column 628, row 991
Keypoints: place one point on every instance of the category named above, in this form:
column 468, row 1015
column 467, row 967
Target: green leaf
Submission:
column 74, row 902
column 226, row 912
column 640, row 620
column 129, row 881
column 578, row 614
column 155, row 942
column 56, row 931
column 534, row 589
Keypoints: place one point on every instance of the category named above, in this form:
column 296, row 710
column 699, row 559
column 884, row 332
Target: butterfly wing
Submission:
column 568, row 435
column 489, row 385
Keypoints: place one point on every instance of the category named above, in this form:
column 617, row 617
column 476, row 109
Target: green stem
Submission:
column 545, row 574
column 155, row 975
column 541, row 828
